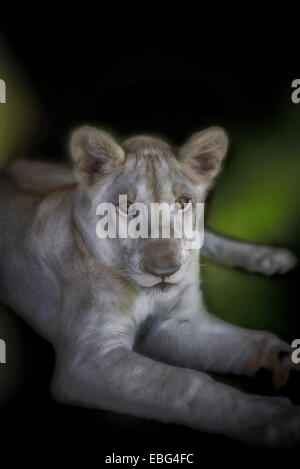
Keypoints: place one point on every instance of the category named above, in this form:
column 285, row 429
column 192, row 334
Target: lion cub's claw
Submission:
column 272, row 354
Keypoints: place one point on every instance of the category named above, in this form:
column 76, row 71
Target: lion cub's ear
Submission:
column 204, row 152
column 95, row 154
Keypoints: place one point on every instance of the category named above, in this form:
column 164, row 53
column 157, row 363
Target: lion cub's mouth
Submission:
column 164, row 286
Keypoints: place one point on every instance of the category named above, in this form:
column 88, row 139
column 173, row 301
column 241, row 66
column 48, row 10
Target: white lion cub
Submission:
column 125, row 316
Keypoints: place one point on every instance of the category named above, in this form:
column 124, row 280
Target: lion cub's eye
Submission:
column 184, row 202
column 126, row 209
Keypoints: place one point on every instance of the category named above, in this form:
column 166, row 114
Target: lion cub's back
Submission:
column 38, row 178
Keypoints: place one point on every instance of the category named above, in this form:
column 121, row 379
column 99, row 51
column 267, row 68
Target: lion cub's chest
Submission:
column 154, row 305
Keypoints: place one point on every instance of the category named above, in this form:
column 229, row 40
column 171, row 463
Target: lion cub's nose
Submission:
column 162, row 257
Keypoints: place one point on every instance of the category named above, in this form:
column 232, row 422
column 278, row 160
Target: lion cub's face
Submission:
column 146, row 171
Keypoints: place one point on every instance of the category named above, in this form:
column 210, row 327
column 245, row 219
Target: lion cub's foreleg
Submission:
column 266, row 260
column 97, row 367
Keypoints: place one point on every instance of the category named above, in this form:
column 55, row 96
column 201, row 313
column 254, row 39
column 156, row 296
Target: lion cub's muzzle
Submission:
column 162, row 257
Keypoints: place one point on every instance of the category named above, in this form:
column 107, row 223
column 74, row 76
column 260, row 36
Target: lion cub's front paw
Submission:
column 270, row 353
column 272, row 422
column 270, row 261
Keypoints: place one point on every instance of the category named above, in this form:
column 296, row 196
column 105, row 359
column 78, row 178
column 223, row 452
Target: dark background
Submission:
column 171, row 88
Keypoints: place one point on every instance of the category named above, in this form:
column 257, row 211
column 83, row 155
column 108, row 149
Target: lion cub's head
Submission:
column 147, row 171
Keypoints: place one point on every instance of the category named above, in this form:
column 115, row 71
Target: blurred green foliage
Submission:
column 18, row 116
column 257, row 198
